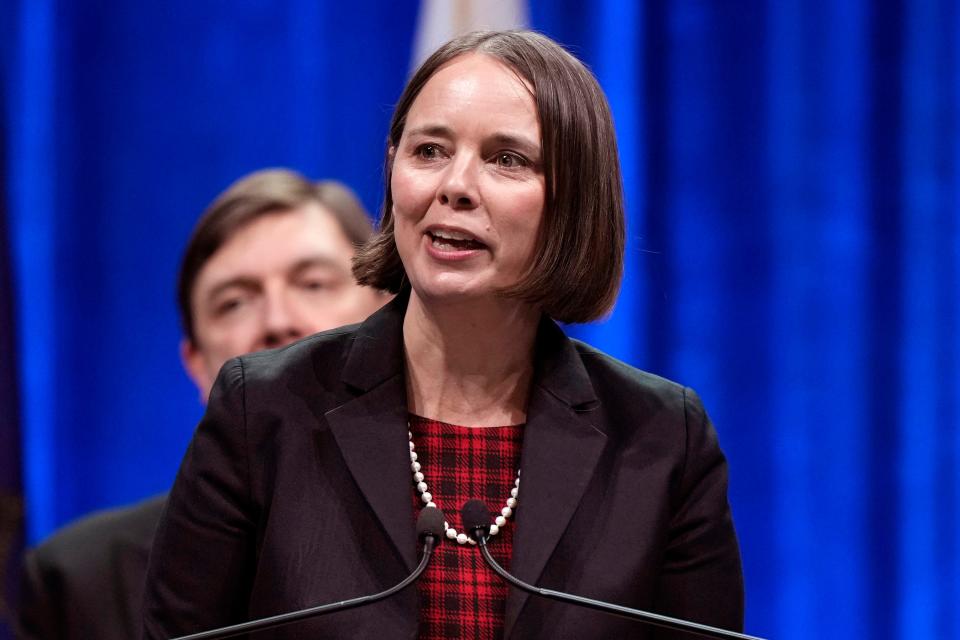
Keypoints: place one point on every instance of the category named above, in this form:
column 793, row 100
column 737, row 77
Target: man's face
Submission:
column 277, row 279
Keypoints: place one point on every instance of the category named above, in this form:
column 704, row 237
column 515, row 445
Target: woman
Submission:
column 503, row 213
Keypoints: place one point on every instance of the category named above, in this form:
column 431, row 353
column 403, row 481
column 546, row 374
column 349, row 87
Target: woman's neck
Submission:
column 470, row 363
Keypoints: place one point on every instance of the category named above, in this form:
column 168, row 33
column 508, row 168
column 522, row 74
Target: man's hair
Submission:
column 577, row 265
column 261, row 193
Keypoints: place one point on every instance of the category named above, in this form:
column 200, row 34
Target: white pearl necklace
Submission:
column 427, row 497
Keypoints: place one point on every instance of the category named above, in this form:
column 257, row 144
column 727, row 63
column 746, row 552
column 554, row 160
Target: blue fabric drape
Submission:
column 792, row 173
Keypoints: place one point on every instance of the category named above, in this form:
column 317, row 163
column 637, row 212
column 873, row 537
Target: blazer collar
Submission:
column 377, row 354
column 563, row 440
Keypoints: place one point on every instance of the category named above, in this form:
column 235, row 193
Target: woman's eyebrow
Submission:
column 437, row 130
column 529, row 144
column 515, row 140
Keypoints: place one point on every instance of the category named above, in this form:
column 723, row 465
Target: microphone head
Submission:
column 430, row 523
column 476, row 519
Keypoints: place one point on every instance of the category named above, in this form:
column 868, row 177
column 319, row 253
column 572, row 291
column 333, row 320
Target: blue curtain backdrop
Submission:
column 792, row 173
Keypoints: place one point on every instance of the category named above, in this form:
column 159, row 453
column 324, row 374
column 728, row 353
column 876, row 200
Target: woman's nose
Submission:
column 458, row 188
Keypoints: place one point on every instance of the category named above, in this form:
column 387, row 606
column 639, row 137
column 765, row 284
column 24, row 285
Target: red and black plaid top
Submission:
column 460, row 597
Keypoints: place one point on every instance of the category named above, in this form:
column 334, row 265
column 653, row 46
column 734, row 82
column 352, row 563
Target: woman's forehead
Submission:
column 476, row 86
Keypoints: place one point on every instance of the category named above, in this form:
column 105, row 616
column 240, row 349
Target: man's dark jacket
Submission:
column 85, row 582
column 296, row 491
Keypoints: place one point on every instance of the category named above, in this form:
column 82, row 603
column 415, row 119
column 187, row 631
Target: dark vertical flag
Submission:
column 11, row 481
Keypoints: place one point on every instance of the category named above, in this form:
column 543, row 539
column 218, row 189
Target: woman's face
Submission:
column 468, row 184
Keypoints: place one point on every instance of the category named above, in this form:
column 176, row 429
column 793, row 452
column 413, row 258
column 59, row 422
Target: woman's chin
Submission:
column 452, row 288
column 447, row 294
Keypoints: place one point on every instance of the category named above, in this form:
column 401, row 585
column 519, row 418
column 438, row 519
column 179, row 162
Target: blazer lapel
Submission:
column 371, row 428
column 561, row 446
column 371, row 432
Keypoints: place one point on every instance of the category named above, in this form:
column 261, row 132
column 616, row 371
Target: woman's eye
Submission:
column 510, row 160
column 428, row 151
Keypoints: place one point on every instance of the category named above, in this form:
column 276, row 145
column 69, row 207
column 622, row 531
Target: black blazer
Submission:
column 86, row 580
column 296, row 491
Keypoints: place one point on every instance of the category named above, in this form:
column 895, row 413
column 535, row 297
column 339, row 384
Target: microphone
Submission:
column 476, row 521
column 430, row 531
column 430, row 527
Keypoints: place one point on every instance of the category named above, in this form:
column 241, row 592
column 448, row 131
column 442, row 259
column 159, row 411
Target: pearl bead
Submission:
column 516, row 483
column 415, row 466
column 413, row 456
column 411, row 445
column 427, row 497
column 494, row 529
column 451, row 533
column 418, row 477
column 462, row 538
column 514, row 492
column 432, row 504
column 421, row 486
column 507, row 512
column 500, row 520
column 471, row 541
column 511, row 502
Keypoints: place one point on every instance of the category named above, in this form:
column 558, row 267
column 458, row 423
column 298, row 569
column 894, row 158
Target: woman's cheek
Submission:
column 411, row 192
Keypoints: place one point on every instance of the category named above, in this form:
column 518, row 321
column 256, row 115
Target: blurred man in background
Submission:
column 267, row 264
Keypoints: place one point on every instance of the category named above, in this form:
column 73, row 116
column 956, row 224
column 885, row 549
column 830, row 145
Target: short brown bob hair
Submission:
column 257, row 194
column 578, row 263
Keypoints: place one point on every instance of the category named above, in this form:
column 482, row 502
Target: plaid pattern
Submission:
column 460, row 597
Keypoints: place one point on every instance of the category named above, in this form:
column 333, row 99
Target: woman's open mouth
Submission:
column 447, row 240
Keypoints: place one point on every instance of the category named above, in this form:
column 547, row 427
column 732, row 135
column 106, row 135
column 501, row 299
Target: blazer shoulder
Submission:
column 636, row 403
column 611, row 376
column 316, row 355
column 266, row 388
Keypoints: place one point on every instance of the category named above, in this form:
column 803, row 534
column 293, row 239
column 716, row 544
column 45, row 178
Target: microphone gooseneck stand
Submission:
column 429, row 529
column 475, row 517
